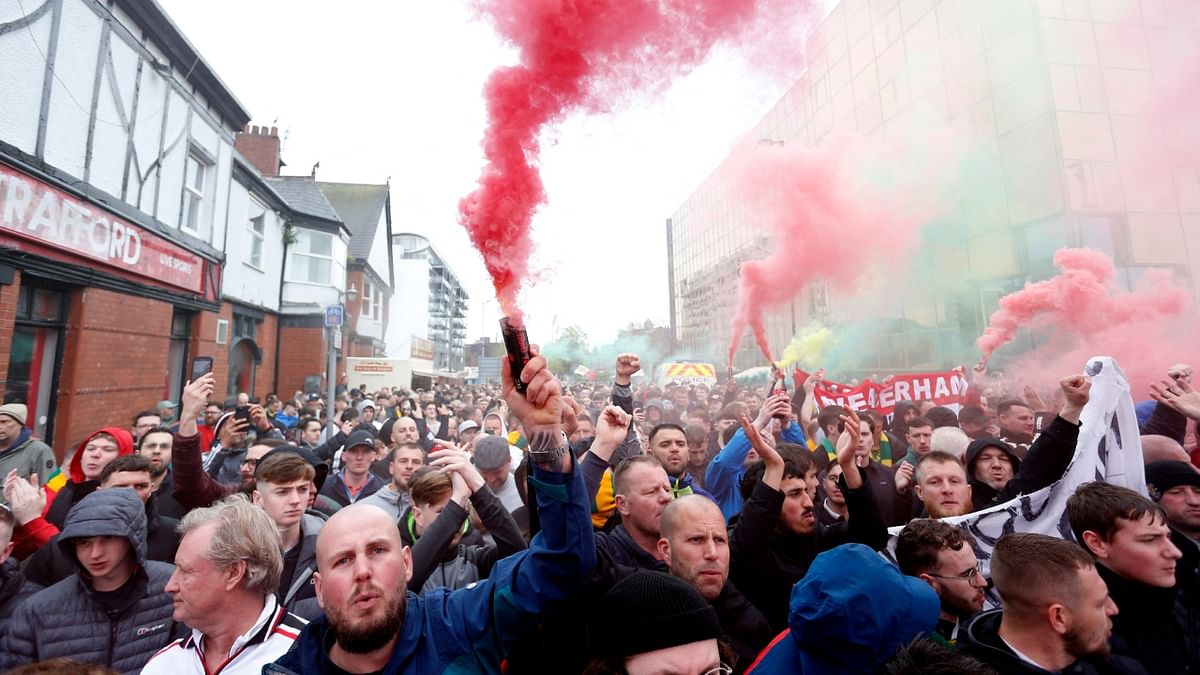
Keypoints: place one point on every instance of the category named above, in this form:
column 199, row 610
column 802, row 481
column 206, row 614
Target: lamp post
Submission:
column 334, row 318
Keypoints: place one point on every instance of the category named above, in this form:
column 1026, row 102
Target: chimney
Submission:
column 260, row 145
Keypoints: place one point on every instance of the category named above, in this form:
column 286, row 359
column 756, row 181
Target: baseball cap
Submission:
column 359, row 438
column 467, row 426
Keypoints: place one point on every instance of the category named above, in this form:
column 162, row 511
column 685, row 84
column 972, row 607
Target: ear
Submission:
column 1059, row 618
column 234, row 575
column 317, row 584
column 664, row 551
column 929, row 580
column 407, row 565
column 968, row 491
column 917, row 490
column 7, row 552
column 1095, row 544
column 621, row 504
column 256, row 498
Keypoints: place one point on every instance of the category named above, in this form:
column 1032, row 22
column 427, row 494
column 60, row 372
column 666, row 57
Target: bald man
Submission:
column 1156, row 448
column 695, row 546
column 372, row 623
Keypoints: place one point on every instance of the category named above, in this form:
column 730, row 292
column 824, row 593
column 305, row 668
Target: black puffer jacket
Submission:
column 14, row 589
column 69, row 618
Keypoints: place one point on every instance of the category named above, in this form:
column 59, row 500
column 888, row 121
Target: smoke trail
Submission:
column 809, row 348
column 834, row 211
column 1082, row 301
column 578, row 55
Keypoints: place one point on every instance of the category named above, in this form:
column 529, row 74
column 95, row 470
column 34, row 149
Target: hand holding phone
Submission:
column 201, row 366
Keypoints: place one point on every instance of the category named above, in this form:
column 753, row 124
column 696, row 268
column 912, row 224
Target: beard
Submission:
column 367, row 635
column 1080, row 644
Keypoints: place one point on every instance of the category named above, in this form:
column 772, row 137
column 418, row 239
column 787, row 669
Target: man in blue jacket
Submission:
column 372, row 624
column 727, row 468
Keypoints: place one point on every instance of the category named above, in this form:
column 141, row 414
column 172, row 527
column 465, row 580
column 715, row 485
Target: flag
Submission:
column 1109, row 449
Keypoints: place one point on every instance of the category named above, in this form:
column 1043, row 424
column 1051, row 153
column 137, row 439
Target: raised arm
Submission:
column 193, row 487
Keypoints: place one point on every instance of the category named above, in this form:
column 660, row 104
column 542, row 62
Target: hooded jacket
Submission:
column 470, row 630
column 982, row 640
column 51, row 564
column 78, row 486
column 849, row 615
column 70, row 619
column 1146, row 634
column 1044, row 463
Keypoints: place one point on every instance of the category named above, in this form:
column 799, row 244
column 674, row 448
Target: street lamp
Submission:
column 334, row 318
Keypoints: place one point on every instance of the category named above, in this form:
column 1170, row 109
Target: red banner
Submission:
column 36, row 211
column 948, row 389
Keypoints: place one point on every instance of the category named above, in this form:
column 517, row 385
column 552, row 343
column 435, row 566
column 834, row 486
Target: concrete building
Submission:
column 430, row 303
column 1051, row 95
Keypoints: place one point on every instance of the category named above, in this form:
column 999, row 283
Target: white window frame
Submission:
column 191, row 210
column 257, row 228
column 372, row 301
column 295, row 251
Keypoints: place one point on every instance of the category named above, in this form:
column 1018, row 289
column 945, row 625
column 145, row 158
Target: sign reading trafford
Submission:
column 33, row 210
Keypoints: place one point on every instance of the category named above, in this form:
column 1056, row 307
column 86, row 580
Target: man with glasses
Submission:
column 944, row 557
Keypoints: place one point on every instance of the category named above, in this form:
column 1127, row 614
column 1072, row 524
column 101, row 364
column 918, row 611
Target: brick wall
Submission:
column 8, row 314
column 114, row 363
column 301, row 353
column 203, row 343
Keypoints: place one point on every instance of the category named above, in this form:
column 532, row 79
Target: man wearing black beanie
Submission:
column 1175, row 487
column 653, row 622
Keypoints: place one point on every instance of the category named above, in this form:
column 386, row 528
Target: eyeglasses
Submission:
column 719, row 670
column 252, row 463
column 969, row 575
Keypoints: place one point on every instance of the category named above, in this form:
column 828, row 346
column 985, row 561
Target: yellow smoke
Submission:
column 809, row 348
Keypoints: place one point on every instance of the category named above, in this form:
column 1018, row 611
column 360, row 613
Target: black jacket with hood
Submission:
column 299, row 594
column 51, row 564
column 982, row 641
column 1044, row 464
column 121, row 629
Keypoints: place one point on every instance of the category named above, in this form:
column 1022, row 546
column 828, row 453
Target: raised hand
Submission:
column 26, row 499
column 847, row 446
column 773, row 475
column 627, row 364
column 1178, row 395
column 904, row 477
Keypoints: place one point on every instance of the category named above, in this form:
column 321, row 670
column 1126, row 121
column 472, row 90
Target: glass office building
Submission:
column 1063, row 103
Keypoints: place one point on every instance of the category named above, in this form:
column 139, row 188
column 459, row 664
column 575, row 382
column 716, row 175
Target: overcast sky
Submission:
column 375, row 89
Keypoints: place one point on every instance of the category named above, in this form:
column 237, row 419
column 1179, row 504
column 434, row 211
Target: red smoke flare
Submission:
column 577, row 55
column 1080, row 302
column 833, row 211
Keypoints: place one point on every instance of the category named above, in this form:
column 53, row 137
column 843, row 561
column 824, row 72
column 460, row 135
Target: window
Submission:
column 195, row 175
column 256, row 240
column 372, row 302
column 312, row 257
column 35, row 349
column 181, row 330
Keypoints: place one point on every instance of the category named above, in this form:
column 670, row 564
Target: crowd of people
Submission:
column 594, row 528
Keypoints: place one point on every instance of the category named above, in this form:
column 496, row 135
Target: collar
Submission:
column 270, row 617
column 1022, row 656
column 830, row 511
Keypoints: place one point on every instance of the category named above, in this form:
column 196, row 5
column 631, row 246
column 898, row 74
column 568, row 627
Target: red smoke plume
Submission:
column 578, row 55
column 1145, row 330
column 832, row 212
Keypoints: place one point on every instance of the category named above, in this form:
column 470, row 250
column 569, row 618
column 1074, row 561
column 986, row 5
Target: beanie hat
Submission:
column 647, row 611
column 491, row 452
column 17, row 411
column 1166, row 474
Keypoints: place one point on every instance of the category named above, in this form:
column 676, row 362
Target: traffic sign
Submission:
column 334, row 316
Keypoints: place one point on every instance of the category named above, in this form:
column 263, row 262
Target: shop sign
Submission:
column 33, row 210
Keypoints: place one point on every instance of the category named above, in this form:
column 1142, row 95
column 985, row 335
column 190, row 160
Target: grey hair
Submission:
column 241, row 531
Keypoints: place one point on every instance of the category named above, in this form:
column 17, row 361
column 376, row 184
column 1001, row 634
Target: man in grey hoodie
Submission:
column 393, row 498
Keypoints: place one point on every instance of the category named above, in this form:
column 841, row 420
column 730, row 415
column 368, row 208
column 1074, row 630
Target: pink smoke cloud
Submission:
column 1086, row 315
column 832, row 213
column 578, row 56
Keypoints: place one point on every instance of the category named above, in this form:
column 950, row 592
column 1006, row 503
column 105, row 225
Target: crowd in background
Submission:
column 596, row 527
